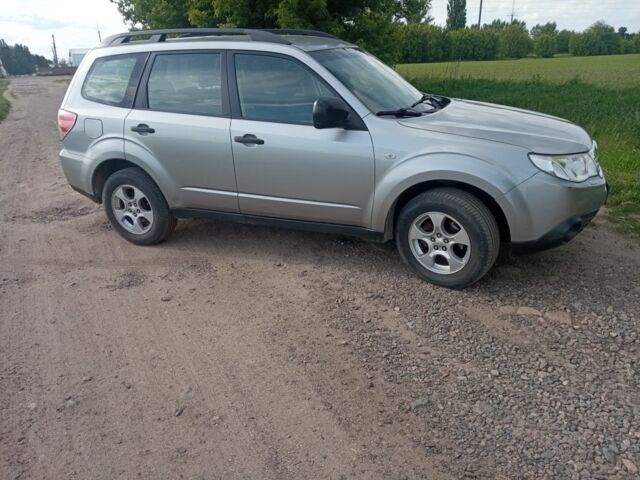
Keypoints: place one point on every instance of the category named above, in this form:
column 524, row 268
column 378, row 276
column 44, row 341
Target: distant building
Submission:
column 76, row 55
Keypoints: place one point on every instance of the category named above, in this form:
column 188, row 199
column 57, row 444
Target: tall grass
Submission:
column 611, row 116
column 4, row 103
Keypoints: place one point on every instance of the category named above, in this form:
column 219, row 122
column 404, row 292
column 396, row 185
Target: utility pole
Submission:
column 99, row 36
column 513, row 8
column 54, row 50
column 480, row 15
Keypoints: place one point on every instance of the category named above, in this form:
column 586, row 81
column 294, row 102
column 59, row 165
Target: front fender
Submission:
column 461, row 168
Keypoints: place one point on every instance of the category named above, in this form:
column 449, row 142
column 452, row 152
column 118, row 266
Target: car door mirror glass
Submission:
column 330, row 113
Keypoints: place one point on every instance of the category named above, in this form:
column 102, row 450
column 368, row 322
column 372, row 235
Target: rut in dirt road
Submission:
column 238, row 352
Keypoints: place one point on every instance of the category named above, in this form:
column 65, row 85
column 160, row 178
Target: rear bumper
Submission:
column 77, row 170
column 563, row 233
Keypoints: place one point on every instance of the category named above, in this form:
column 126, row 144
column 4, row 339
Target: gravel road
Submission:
column 240, row 352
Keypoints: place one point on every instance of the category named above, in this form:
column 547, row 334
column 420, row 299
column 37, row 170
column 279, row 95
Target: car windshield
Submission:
column 376, row 85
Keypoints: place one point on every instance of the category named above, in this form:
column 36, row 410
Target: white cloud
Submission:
column 74, row 22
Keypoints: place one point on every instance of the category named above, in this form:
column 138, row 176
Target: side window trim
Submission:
column 141, row 101
column 234, row 94
column 132, row 87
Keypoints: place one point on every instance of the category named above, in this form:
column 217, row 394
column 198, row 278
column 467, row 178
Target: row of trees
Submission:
column 431, row 43
column 18, row 60
column 395, row 30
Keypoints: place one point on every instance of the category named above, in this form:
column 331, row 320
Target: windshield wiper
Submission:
column 436, row 102
column 401, row 112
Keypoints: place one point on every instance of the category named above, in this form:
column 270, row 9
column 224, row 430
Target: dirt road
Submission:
column 238, row 352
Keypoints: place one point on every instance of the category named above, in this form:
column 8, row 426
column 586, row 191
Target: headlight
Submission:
column 575, row 168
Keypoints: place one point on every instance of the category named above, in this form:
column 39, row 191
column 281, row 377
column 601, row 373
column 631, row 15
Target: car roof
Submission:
column 305, row 40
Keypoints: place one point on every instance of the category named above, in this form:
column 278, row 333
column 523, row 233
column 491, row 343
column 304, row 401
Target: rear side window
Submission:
column 113, row 80
column 186, row 83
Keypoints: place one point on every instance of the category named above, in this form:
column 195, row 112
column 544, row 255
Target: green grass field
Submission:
column 602, row 94
column 4, row 103
column 610, row 71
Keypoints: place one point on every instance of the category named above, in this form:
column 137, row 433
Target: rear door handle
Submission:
column 143, row 128
column 248, row 139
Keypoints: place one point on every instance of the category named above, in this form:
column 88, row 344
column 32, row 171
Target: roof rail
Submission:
column 295, row 31
column 157, row 36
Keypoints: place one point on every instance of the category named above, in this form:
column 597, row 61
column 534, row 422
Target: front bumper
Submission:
column 544, row 211
column 563, row 233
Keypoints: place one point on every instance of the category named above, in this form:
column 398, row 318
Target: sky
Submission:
column 75, row 22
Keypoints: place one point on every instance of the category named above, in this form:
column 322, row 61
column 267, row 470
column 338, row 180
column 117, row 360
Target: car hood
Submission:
column 536, row 132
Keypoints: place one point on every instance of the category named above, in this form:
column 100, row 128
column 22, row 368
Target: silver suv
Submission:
column 304, row 130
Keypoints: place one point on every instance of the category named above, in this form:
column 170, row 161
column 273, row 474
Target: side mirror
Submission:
column 330, row 113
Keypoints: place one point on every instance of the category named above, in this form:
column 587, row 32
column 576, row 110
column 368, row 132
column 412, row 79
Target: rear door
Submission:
column 286, row 167
column 179, row 126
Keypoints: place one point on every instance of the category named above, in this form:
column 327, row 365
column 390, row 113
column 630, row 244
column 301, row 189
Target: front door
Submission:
column 180, row 124
column 285, row 167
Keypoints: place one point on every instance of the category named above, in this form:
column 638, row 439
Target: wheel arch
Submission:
column 414, row 190
column 104, row 170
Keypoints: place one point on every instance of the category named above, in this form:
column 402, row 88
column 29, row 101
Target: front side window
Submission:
column 276, row 89
column 186, row 83
column 113, row 80
column 376, row 85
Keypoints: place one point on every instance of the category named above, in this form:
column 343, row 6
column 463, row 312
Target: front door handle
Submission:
column 143, row 128
column 249, row 139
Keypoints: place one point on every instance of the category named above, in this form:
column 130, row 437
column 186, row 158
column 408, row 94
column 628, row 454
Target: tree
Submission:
column 249, row 13
column 514, row 41
column 370, row 23
column 545, row 45
column 622, row 32
column 416, row 11
column 18, row 60
column 548, row 28
column 586, row 43
column 154, row 13
column 607, row 37
column 456, row 14
column 563, row 40
column 422, row 43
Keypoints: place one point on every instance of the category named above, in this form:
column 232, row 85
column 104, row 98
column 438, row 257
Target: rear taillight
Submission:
column 66, row 121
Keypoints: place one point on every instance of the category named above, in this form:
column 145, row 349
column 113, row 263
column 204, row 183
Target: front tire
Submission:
column 448, row 237
column 136, row 207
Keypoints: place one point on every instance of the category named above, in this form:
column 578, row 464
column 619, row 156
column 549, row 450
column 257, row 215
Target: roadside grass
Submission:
column 611, row 114
column 609, row 71
column 4, row 103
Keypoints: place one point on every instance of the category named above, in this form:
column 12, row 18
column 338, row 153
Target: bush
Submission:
column 422, row 43
column 514, row 42
column 545, row 45
column 472, row 44
column 587, row 43
column 627, row 46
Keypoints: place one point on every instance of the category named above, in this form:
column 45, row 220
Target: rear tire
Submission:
column 448, row 237
column 136, row 207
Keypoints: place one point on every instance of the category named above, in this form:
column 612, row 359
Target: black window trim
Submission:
column 142, row 99
column 129, row 97
column 356, row 122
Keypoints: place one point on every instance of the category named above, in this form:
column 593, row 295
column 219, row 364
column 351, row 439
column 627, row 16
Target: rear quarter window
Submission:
column 113, row 80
